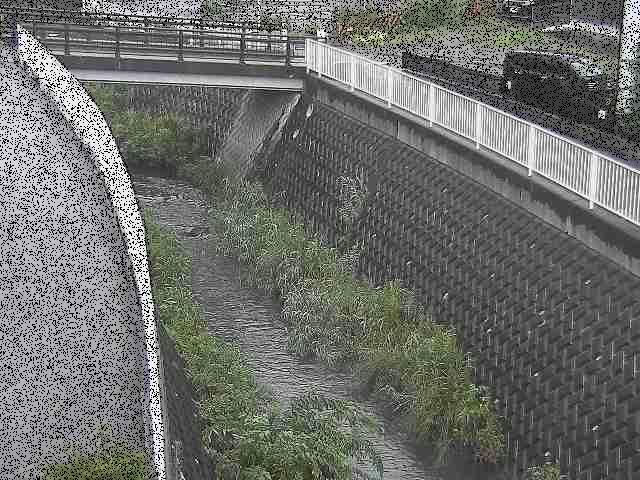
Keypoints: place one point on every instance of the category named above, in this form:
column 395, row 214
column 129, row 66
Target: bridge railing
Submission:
column 599, row 179
column 182, row 43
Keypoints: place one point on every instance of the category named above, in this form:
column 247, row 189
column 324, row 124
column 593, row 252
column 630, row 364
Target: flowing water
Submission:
column 240, row 313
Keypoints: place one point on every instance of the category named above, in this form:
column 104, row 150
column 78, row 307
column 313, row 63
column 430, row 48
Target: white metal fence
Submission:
column 599, row 179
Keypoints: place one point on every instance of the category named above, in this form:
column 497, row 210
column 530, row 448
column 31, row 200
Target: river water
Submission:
column 240, row 313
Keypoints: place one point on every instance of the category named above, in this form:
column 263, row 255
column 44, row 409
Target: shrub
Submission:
column 210, row 8
column 245, row 431
column 113, row 461
column 426, row 14
column 548, row 471
column 382, row 333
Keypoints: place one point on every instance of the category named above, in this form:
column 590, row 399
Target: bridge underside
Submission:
column 231, row 74
column 222, row 81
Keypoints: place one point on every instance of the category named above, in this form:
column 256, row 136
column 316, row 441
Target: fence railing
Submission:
column 599, row 179
column 183, row 42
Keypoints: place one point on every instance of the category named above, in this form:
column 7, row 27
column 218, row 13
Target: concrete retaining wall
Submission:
column 552, row 324
column 132, row 346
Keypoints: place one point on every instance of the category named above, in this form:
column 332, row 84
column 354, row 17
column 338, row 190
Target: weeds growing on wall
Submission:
column 113, row 461
column 162, row 141
column 246, row 433
column 382, row 333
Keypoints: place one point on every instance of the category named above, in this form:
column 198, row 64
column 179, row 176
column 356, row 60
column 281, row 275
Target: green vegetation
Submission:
column 246, row 433
column 149, row 141
column 112, row 462
column 116, row 463
column 210, row 8
column 548, row 471
column 382, row 333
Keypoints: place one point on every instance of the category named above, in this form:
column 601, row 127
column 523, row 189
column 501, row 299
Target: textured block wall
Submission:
column 213, row 108
column 186, row 456
column 554, row 327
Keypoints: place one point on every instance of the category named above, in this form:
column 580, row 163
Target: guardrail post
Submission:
column 531, row 151
column 286, row 38
column 478, row 124
column 307, row 49
column 117, row 48
column 242, row 41
column 352, row 64
column 389, row 85
column 147, row 35
column 66, row 40
column 594, row 174
column 432, row 103
column 181, row 45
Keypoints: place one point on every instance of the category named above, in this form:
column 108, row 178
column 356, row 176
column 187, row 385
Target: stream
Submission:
column 236, row 312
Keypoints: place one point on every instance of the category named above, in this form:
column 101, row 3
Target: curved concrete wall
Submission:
column 78, row 333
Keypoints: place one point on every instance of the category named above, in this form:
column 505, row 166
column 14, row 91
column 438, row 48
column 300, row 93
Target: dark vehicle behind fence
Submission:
column 565, row 84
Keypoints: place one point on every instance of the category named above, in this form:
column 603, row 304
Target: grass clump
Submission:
column 548, row 471
column 382, row 333
column 112, row 461
column 246, row 432
column 115, row 463
column 162, row 141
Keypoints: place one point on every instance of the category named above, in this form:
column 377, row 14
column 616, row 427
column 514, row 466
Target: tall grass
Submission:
column 112, row 461
column 246, row 432
column 381, row 333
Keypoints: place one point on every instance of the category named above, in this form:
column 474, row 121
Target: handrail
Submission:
column 176, row 40
column 596, row 177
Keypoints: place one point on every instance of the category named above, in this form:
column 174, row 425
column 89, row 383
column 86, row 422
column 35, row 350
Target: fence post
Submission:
column 432, row 101
column 594, row 174
column 478, row 124
column 389, row 85
column 307, row 49
column 531, row 151
column 147, row 30
column 181, row 45
column 242, row 41
column 319, row 55
column 66, row 40
column 117, row 48
column 286, row 39
column 352, row 66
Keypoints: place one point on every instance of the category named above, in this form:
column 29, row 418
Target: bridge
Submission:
column 159, row 50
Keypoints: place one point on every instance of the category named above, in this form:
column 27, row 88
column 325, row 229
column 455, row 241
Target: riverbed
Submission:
column 236, row 312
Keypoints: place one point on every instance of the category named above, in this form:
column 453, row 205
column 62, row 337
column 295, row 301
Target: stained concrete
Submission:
column 72, row 345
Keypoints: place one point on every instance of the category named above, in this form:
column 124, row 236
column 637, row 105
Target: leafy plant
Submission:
column 210, row 8
column 113, row 462
column 548, row 471
column 383, row 333
column 245, row 432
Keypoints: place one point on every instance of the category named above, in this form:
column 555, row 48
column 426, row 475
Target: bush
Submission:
column 245, row 432
column 113, row 461
column 113, row 464
column 426, row 14
column 382, row 333
column 548, row 471
column 210, row 8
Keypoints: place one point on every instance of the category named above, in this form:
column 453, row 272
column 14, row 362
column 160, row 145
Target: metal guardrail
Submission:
column 179, row 42
column 599, row 179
